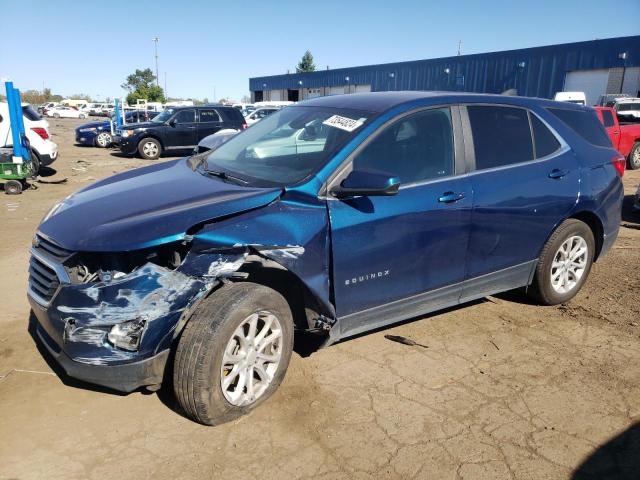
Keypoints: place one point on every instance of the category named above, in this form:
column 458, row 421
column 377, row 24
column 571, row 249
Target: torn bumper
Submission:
column 75, row 324
column 124, row 377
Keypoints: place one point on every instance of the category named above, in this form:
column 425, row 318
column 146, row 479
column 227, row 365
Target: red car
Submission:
column 625, row 137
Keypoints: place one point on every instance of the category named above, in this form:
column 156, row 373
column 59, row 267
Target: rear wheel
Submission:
column 103, row 140
column 56, row 115
column 82, row 115
column 564, row 264
column 12, row 187
column 35, row 163
column 149, row 148
column 634, row 157
column 233, row 353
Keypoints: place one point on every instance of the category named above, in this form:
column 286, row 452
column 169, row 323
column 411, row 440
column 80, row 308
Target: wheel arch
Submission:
column 595, row 224
column 150, row 135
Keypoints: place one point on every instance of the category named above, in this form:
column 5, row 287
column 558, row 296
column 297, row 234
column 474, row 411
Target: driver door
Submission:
column 182, row 130
column 398, row 254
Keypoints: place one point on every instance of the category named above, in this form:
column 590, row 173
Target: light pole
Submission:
column 155, row 41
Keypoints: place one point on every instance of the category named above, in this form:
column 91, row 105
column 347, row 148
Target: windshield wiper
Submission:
column 225, row 176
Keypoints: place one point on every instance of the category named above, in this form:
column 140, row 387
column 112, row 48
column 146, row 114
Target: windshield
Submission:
column 288, row 145
column 164, row 115
column 625, row 107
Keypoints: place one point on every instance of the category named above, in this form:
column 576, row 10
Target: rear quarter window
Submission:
column 607, row 117
column 585, row 123
column 232, row 115
column 545, row 142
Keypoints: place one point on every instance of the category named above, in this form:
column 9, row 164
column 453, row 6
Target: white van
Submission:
column 571, row 97
column 37, row 131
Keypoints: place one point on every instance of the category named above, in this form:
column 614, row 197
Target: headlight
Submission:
column 127, row 335
column 127, row 133
column 92, row 129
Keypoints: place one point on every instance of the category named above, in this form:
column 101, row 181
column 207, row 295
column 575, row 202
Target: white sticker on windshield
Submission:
column 343, row 123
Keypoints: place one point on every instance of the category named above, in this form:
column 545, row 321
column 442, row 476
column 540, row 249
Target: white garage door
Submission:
column 276, row 95
column 592, row 82
column 336, row 91
column 362, row 88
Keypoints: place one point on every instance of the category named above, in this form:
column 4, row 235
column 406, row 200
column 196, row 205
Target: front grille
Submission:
column 51, row 249
column 43, row 280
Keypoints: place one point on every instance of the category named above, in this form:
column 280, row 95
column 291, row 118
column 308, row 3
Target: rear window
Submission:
column 585, row 123
column 501, row 136
column 545, row 142
column 209, row 115
column 31, row 113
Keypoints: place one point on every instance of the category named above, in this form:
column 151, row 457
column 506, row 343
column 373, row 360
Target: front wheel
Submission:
column 103, row 140
column 564, row 264
column 634, row 157
column 82, row 115
column 12, row 187
column 149, row 148
column 56, row 115
column 233, row 353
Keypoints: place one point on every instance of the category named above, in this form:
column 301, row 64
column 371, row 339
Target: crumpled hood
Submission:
column 146, row 207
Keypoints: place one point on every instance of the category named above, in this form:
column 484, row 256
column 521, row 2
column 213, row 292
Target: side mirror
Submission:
column 173, row 122
column 367, row 183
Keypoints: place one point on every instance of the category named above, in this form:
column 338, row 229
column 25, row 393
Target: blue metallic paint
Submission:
column 424, row 244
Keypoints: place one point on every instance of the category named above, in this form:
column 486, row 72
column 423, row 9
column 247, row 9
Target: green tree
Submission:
column 141, row 85
column 306, row 63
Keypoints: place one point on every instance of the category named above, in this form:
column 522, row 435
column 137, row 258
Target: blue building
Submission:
column 595, row 67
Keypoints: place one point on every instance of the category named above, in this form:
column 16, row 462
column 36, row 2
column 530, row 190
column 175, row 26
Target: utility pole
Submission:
column 459, row 47
column 166, row 95
column 155, row 41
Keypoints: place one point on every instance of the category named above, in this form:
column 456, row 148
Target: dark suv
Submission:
column 334, row 216
column 178, row 128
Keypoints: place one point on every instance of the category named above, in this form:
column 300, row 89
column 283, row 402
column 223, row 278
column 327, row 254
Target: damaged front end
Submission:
column 117, row 310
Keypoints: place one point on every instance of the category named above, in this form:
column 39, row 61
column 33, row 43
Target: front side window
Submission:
column 416, row 148
column 209, row 115
column 186, row 116
column 501, row 136
column 287, row 146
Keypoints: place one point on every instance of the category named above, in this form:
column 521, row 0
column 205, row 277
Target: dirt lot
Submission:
column 506, row 389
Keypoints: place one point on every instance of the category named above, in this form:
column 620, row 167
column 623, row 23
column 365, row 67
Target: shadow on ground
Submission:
column 618, row 459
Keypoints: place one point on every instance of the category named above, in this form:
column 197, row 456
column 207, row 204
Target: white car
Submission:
column 65, row 112
column 213, row 141
column 572, row 97
column 259, row 114
column 37, row 131
column 628, row 109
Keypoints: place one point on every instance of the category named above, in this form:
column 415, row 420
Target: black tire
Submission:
column 198, row 362
column 35, row 163
column 12, row 187
column 103, row 140
column 634, row 157
column 146, row 149
column 541, row 289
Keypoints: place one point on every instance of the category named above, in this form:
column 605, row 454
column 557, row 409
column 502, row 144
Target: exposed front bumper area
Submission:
column 129, row 145
column 124, row 377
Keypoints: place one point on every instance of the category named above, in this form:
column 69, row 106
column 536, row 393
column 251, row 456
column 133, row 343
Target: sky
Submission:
column 210, row 47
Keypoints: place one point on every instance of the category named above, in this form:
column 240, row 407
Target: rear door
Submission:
column 209, row 122
column 182, row 130
column 525, row 181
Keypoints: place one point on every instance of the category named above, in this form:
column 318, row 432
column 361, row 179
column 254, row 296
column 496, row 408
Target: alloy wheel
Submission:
column 569, row 264
column 150, row 149
column 251, row 358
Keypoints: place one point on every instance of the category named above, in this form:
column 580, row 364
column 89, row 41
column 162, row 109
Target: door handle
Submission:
column 450, row 197
column 556, row 173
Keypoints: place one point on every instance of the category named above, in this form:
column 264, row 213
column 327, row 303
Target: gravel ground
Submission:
column 506, row 389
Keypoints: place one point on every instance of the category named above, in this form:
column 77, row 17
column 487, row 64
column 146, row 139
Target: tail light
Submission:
column 619, row 163
column 41, row 131
column 245, row 126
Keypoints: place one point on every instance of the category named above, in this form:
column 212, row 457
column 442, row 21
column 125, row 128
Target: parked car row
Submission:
column 99, row 134
column 44, row 150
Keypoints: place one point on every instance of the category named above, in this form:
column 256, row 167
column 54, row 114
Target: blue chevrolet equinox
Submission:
column 335, row 216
